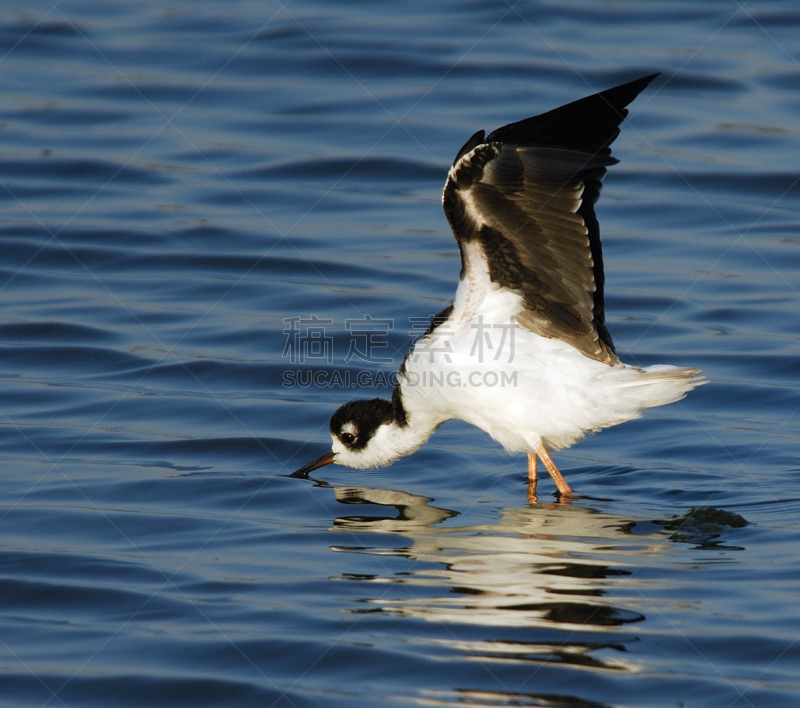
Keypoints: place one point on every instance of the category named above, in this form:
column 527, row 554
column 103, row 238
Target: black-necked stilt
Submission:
column 520, row 202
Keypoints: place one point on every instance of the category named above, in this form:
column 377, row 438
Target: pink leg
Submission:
column 532, row 468
column 563, row 488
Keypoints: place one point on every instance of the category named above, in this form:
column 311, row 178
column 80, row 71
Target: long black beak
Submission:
column 302, row 473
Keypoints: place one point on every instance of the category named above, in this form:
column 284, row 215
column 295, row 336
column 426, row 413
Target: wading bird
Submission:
column 520, row 202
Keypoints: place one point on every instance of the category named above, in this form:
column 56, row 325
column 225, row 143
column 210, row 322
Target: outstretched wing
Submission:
column 522, row 200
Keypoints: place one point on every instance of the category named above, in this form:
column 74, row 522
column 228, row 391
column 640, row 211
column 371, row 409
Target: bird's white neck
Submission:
column 393, row 441
column 416, row 420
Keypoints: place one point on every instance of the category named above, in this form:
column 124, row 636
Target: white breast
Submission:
column 521, row 388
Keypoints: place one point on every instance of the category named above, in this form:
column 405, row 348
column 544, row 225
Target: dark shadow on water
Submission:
column 469, row 697
column 703, row 526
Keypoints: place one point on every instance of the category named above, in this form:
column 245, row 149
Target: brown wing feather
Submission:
column 521, row 204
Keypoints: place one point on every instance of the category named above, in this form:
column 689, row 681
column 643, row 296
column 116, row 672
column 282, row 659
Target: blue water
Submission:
column 179, row 181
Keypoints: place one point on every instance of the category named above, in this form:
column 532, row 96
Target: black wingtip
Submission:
column 589, row 124
column 618, row 97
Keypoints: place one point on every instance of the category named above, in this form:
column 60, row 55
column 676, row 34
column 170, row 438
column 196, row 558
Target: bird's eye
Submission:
column 347, row 438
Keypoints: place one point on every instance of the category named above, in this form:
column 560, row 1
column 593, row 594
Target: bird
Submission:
column 523, row 351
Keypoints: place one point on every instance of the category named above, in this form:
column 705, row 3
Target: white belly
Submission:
column 524, row 389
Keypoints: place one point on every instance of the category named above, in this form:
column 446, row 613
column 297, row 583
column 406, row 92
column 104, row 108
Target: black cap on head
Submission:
column 364, row 418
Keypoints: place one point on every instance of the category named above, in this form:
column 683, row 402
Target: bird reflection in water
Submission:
column 542, row 565
column 546, row 585
column 554, row 566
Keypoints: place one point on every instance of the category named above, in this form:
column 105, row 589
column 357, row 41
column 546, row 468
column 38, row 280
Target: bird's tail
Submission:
column 660, row 385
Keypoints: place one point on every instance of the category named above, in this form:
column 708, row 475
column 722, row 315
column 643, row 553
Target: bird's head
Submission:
column 365, row 434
